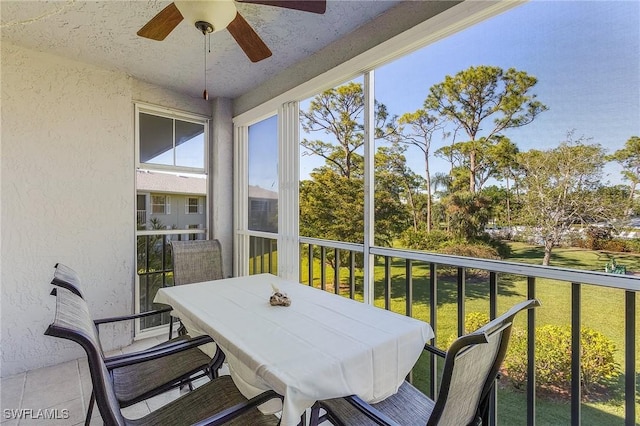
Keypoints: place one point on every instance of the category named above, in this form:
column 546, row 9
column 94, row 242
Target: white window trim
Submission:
column 199, row 205
column 184, row 116
column 176, row 115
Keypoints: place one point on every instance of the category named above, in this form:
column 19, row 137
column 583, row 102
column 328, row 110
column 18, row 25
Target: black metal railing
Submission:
column 334, row 266
column 263, row 255
column 155, row 269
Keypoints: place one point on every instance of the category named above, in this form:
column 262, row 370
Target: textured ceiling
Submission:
column 103, row 33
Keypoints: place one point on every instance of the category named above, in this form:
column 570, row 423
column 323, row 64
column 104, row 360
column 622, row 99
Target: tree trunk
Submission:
column 548, row 246
column 508, row 210
column 472, row 171
column 428, row 178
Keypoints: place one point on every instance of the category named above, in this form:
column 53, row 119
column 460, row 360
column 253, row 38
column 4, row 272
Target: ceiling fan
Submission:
column 215, row 15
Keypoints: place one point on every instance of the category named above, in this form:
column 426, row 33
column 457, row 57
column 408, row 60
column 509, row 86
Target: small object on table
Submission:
column 278, row 298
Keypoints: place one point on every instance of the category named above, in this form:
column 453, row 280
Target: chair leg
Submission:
column 182, row 330
column 92, row 400
column 216, row 363
column 315, row 414
column 303, row 419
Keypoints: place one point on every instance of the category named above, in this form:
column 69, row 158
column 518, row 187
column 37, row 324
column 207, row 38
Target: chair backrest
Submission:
column 470, row 369
column 65, row 277
column 196, row 261
column 73, row 322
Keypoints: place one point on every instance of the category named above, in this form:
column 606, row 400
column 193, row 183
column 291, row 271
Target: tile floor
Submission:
column 64, row 390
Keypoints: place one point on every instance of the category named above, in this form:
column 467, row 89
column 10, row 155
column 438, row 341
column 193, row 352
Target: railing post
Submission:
column 461, row 296
column 575, row 354
column 409, row 288
column 493, row 313
column 352, row 274
column 310, row 265
column 336, row 271
column 323, row 271
column 531, row 355
column 630, row 358
column 433, row 320
column 387, row 283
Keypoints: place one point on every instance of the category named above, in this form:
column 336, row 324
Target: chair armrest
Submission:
column 132, row 316
column 154, row 353
column 434, row 350
column 371, row 412
column 230, row 413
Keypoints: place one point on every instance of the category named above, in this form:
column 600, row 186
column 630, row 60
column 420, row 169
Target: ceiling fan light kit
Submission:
column 218, row 14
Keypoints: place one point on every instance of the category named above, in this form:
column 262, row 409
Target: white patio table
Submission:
column 322, row 346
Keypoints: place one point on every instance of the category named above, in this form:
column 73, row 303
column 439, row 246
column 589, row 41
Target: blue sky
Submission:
column 585, row 55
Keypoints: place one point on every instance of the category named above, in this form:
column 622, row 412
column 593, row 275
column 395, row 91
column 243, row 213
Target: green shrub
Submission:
column 616, row 245
column 483, row 251
column 422, row 240
column 472, row 322
column 597, row 236
column 633, row 245
column 553, row 358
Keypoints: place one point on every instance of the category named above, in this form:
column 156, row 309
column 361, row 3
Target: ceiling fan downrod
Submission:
column 205, row 28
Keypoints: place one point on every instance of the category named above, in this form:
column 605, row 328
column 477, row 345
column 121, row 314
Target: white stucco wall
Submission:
column 67, row 195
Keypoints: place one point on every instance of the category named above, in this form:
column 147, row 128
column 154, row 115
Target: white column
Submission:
column 288, row 196
column 369, row 151
column 240, row 202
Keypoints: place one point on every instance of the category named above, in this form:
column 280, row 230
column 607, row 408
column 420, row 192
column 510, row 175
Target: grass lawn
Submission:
column 602, row 310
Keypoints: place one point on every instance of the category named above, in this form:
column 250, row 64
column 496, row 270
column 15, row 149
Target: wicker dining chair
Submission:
column 144, row 374
column 216, row 402
column 471, row 366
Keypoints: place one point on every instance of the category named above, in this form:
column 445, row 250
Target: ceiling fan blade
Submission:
column 248, row 40
column 314, row 6
column 162, row 24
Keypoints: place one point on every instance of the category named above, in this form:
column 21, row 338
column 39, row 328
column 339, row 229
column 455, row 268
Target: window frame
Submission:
column 173, row 115
column 139, row 107
column 166, row 204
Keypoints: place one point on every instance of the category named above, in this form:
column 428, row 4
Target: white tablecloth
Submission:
column 322, row 346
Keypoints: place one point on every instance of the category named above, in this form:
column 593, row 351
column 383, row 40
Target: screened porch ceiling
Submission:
column 103, row 33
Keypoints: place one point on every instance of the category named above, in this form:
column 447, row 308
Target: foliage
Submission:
column 331, row 207
column 633, row 245
column 553, row 358
column 338, row 113
column 417, row 129
column 476, row 94
column 597, row 236
column 479, row 250
column 629, row 158
column 421, row 239
column 561, row 188
column 398, row 201
column 332, row 201
column 502, row 248
column 472, row 322
column 468, row 212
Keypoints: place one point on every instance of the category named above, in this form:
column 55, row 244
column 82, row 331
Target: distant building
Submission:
column 170, row 200
column 263, row 209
